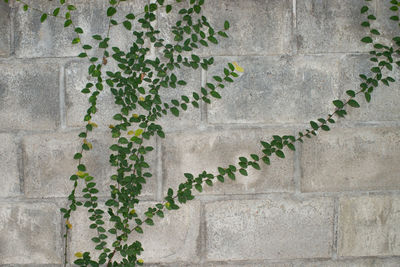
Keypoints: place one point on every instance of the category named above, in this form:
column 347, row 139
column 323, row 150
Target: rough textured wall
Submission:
column 334, row 202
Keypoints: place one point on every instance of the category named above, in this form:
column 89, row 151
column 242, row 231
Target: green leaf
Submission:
column 71, row 7
column 366, row 39
column 353, row 103
column 67, row 23
column 56, row 11
column 175, row 111
column 43, row 17
column 127, row 24
column 198, row 187
column 314, row 125
column 243, row 172
column 364, row 9
column 168, row 8
column 351, row 93
column 280, row 154
column 226, row 25
column 376, row 32
column 111, row 11
column 365, row 24
column 325, row 127
column 338, row 103
column 26, row 7
column 367, row 97
column 215, row 94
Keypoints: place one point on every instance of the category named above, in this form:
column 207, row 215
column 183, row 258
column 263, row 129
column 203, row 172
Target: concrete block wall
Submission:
column 334, row 202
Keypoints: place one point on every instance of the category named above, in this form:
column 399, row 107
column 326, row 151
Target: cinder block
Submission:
column 369, row 226
column 172, row 238
column 29, row 95
column 51, row 39
column 76, row 78
column 374, row 262
column 352, row 159
column 5, row 30
column 276, row 89
column 9, row 177
column 274, row 228
column 30, row 234
column 48, row 164
column 256, row 27
column 385, row 101
column 77, row 103
column 264, row 264
column 330, row 26
column 196, row 152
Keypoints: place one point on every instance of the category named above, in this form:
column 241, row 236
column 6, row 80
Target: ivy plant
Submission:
column 136, row 87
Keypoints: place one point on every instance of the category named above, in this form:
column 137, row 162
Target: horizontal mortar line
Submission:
column 14, row 57
column 218, row 197
column 21, row 199
column 388, row 257
column 334, row 53
column 216, row 126
column 301, row 260
column 305, row 195
column 339, row 124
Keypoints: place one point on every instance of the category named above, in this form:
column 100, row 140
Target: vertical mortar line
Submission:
column 159, row 171
column 202, row 235
column 335, row 228
column 20, row 164
column 62, row 85
column 153, row 50
column 12, row 33
column 297, row 171
column 203, row 105
column 294, row 27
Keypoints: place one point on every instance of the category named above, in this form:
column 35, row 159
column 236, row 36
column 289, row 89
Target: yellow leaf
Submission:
column 140, row 261
column 138, row 132
column 111, row 126
column 167, row 205
column 131, row 132
column 80, row 174
column 141, row 98
column 68, row 224
column 79, row 255
column 237, row 67
column 90, row 145
column 93, row 124
column 133, row 211
column 135, row 116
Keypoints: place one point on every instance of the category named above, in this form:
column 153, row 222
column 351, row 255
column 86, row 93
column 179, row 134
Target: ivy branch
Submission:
column 136, row 87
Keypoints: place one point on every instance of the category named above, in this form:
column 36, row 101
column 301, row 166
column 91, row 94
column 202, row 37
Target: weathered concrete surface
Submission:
column 352, row 159
column 329, row 26
column 5, row 30
column 209, row 150
column 369, row 226
column 275, row 228
column 48, row 161
column 173, row 238
column 77, row 103
column 385, row 101
column 351, row 263
column 51, row 39
column 256, row 27
column 29, row 95
column 9, row 176
column 276, row 89
column 30, row 234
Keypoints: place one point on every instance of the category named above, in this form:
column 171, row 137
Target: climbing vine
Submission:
column 136, row 87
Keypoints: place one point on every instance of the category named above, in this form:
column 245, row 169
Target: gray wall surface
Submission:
column 334, row 202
